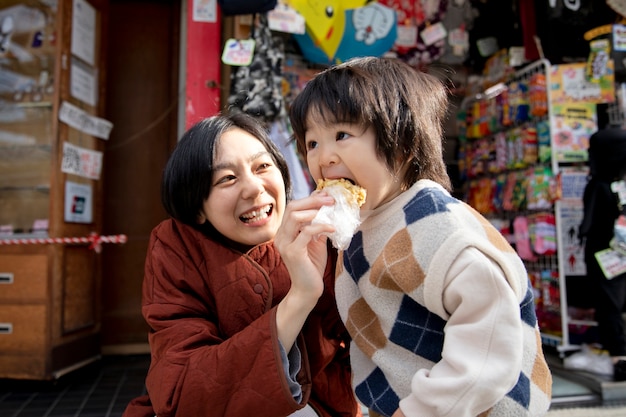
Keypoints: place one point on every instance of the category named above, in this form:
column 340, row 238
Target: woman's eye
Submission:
column 224, row 179
column 263, row 166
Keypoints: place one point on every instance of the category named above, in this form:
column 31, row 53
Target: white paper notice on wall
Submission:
column 80, row 161
column 85, row 122
column 78, row 202
column 84, row 31
column 204, row 11
column 83, row 83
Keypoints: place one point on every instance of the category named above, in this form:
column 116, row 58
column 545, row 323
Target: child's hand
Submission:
column 302, row 245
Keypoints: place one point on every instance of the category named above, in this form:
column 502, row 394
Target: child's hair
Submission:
column 406, row 108
column 188, row 175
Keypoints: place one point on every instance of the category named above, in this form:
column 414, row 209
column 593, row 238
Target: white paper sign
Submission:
column 80, row 161
column 83, row 121
column 204, row 11
column 84, row 31
column 78, row 203
column 286, row 19
column 83, row 84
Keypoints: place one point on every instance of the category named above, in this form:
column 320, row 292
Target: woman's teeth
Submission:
column 257, row 215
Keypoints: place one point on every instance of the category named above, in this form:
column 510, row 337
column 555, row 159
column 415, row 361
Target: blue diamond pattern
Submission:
column 418, row 330
column 521, row 391
column 426, row 202
column 527, row 308
column 354, row 260
column 375, row 393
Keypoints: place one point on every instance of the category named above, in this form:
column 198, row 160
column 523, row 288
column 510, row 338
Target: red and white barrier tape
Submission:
column 94, row 240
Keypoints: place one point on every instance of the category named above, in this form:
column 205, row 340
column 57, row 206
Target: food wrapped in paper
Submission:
column 344, row 214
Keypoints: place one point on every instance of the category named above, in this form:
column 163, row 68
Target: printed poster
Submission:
column 573, row 181
column 573, row 251
column 572, row 124
column 569, row 84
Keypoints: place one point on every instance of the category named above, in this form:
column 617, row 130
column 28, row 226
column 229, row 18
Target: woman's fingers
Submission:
column 300, row 213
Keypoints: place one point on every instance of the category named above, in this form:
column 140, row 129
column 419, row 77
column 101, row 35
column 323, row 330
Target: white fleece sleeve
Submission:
column 482, row 351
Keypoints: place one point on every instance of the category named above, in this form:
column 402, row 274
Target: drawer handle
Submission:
column 6, row 278
column 6, row 328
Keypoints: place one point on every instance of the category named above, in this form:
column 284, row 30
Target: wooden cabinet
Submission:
column 51, row 59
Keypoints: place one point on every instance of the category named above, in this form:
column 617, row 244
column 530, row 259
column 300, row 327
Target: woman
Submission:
column 232, row 331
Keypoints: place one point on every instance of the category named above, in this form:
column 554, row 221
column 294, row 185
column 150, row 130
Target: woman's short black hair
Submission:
column 405, row 107
column 188, row 174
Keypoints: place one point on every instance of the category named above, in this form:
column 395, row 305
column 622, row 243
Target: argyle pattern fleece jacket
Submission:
column 441, row 313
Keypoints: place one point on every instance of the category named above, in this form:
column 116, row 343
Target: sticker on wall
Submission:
column 78, row 203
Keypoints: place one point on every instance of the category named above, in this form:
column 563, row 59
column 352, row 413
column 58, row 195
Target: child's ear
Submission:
column 201, row 218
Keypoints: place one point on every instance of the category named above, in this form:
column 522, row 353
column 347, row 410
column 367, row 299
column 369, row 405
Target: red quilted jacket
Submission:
column 213, row 339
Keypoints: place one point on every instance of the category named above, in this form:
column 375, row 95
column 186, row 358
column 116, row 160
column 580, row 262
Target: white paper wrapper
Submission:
column 344, row 216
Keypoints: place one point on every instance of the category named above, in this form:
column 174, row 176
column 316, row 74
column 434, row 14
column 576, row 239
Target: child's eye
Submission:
column 342, row 135
column 311, row 145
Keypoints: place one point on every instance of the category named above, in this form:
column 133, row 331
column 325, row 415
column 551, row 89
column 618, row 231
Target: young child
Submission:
column 438, row 304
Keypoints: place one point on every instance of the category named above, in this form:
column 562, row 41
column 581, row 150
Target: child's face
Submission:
column 341, row 150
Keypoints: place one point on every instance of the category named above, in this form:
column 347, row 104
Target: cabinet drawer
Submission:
column 23, row 278
column 22, row 328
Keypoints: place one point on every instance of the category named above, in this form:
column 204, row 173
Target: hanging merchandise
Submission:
column 542, row 230
column 597, row 63
column 409, row 13
column 522, row 238
column 366, row 31
column 238, row 7
column 285, row 19
column 256, row 89
column 458, row 21
column 432, row 35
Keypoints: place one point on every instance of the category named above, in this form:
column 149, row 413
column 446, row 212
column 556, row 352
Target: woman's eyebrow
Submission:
column 230, row 165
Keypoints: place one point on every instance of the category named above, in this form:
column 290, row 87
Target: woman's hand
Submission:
column 303, row 249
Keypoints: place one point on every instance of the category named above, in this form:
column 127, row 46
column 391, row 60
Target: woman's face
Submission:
column 247, row 201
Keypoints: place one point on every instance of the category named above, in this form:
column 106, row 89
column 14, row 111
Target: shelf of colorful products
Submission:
column 512, row 178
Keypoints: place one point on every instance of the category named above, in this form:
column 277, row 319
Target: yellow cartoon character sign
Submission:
column 325, row 20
